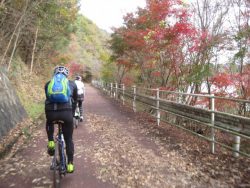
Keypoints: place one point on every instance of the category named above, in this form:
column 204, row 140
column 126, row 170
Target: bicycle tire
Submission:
column 76, row 122
column 62, row 158
column 56, row 173
column 76, row 117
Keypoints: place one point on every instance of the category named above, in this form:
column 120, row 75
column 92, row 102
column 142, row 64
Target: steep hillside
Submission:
column 35, row 37
column 88, row 45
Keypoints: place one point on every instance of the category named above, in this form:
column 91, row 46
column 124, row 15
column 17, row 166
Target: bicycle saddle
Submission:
column 57, row 121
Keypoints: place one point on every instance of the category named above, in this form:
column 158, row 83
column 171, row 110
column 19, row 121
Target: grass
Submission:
column 26, row 132
column 34, row 110
column 29, row 88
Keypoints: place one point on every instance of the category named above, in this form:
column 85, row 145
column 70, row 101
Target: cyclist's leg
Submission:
column 80, row 108
column 73, row 107
column 50, row 133
column 50, row 130
column 67, row 129
column 67, row 133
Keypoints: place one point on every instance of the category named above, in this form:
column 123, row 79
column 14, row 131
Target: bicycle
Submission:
column 58, row 164
column 76, row 118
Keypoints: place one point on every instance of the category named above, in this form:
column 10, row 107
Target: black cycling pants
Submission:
column 80, row 107
column 67, row 129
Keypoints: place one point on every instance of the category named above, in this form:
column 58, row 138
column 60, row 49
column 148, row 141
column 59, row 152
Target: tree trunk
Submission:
column 33, row 52
column 2, row 2
column 19, row 21
column 14, row 48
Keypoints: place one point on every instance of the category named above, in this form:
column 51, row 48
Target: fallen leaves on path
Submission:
column 120, row 158
column 18, row 163
column 130, row 152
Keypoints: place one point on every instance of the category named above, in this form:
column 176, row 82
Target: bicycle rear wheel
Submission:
column 76, row 122
column 62, row 165
column 76, row 117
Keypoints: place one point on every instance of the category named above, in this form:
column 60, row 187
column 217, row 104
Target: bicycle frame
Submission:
column 61, row 146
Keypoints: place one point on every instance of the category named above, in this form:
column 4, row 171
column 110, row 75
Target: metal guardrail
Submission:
column 162, row 102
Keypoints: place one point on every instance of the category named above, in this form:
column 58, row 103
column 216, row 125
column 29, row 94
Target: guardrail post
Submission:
column 107, row 88
column 102, row 85
column 123, row 90
column 212, row 124
column 236, row 146
column 134, row 103
column 158, row 116
column 111, row 89
column 116, row 90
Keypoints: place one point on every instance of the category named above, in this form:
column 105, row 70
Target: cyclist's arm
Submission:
column 74, row 94
column 45, row 89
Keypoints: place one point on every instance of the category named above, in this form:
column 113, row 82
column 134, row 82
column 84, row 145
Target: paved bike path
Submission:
column 29, row 167
column 113, row 148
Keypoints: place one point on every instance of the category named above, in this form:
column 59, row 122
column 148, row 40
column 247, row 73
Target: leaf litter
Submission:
column 135, row 154
column 120, row 158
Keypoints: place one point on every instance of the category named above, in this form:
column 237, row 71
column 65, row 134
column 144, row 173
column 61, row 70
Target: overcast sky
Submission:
column 109, row 13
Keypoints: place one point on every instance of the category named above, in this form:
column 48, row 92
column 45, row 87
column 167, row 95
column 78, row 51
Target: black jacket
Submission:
column 50, row 106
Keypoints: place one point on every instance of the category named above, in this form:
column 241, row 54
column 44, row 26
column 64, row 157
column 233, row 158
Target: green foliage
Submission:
column 57, row 22
column 33, row 108
column 63, row 35
column 54, row 21
column 243, row 34
column 107, row 72
column 233, row 67
column 198, row 73
column 117, row 45
column 241, row 53
column 88, row 45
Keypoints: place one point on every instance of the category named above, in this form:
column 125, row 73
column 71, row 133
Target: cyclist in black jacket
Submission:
column 64, row 112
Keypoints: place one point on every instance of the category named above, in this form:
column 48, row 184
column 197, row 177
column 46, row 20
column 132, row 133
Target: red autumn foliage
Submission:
column 162, row 33
column 200, row 42
column 156, row 74
column 162, row 26
column 228, row 84
column 242, row 82
column 124, row 62
column 222, row 80
column 75, row 68
column 127, row 81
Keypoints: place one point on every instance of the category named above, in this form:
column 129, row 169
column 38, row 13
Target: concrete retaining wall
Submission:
column 11, row 110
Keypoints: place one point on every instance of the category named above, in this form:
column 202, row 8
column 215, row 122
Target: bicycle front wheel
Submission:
column 56, row 172
column 62, row 166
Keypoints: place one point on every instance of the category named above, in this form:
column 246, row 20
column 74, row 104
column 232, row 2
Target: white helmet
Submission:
column 61, row 69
